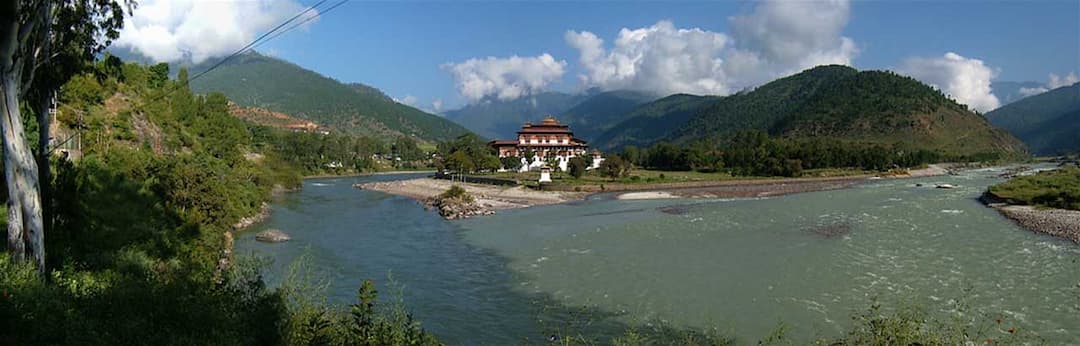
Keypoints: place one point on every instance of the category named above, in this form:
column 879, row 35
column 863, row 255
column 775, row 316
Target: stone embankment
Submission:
column 1056, row 222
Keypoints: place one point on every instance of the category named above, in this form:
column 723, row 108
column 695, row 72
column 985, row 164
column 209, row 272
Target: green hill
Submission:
column 650, row 122
column 257, row 80
column 599, row 112
column 1047, row 122
column 835, row 102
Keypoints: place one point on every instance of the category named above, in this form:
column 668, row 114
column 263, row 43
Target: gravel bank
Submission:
column 1056, row 222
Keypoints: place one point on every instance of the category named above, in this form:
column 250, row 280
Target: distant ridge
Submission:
column 256, row 80
column 832, row 101
column 1048, row 122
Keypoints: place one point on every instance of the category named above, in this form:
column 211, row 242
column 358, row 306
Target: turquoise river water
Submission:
column 808, row 261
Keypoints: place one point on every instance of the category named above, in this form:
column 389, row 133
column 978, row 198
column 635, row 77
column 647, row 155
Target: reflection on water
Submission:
column 807, row 260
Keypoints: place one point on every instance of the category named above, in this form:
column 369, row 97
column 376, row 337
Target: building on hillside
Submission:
column 549, row 138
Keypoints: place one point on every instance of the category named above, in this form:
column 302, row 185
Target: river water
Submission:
column 807, row 261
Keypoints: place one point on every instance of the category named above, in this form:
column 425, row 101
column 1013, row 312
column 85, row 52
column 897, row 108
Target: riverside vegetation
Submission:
column 140, row 225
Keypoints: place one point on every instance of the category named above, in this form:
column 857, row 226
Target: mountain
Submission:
column 255, row 80
column 1008, row 92
column 827, row 101
column 649, row 123
column 599, row 112
column 493, row 118
column 1047, row 122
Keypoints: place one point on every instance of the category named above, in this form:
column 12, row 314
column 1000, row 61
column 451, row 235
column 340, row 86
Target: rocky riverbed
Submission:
column 1056, row 222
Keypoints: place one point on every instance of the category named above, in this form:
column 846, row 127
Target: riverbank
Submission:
column 490, row 196
column 350, row 175
column 1044, row 202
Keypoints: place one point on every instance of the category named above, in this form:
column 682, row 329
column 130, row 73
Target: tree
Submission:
column 615, row 167
column 28, row 43
column 512, row 163
column 577, row 166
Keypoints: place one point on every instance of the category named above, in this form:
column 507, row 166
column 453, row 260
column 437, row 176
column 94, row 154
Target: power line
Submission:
column 259, row 40
column 256, row 41
column 294, row 26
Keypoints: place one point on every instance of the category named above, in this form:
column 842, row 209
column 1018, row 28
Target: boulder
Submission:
column 272, row 236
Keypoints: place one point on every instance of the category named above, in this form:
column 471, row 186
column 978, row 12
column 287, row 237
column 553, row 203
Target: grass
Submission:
column 1058, row 188
column 646, row 176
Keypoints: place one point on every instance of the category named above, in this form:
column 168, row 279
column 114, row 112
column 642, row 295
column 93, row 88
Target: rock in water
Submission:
column 272, row 236
column 457, row 208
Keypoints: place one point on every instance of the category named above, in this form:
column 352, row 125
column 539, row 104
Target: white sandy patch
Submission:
column 647, row 195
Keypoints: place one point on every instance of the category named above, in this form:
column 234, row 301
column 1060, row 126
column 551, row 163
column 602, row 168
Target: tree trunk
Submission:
column 25, row 225
column 43, row 155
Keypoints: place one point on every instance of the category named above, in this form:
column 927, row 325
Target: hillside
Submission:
column 650, row 122
column 493, row 118
column 599, row 112
column 842, row 103
column 1047, row 122
column 266, row 117
column 255, row 80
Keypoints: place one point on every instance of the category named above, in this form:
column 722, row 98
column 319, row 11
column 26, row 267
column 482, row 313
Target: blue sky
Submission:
column 403, row 47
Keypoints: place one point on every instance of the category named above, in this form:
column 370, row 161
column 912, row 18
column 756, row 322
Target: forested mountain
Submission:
column 261, row 81
column 650, row 122
column 599, row 112
column 1008, row 92
column 494, row 118
column 836, row 102
column 1047, row 122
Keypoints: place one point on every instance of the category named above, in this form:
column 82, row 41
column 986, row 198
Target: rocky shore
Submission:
column 1056, row 222
column 245, row 222
column 457, row 208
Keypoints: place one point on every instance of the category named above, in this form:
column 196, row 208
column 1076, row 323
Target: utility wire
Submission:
column 261, row 39
column 294, row 26
column 256, row 41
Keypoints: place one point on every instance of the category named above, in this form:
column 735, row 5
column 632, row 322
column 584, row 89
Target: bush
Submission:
column 615, row 167
column 578, row 165
column 456, row 192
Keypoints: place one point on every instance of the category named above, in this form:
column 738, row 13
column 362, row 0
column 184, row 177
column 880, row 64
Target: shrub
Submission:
column 456, row 192
column 578, row 166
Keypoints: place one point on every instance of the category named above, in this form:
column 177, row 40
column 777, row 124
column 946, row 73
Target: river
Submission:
column 742, row 266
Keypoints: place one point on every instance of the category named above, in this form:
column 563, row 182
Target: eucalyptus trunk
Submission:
column 26, row 234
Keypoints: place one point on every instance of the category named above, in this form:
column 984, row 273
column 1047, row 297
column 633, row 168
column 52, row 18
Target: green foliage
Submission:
column 614, row 167
column 467, row 153
column 1058, row 188
column 262, row 81
column 512, row 163
column 577, row 166
column 833, row 102
column 456, row 192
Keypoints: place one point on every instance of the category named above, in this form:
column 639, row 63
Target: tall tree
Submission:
column 43, row 43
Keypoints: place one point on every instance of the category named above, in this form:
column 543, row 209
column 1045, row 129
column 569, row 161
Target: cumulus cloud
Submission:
column 505, row 78
column 774, row 39
column 659, row 58
column 965, row 79
column 437, row 105
column 195, row 30
column 407, row 100
column 1054, row 83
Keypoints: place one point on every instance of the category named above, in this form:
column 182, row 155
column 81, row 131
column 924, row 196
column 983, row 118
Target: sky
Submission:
column 443, row 55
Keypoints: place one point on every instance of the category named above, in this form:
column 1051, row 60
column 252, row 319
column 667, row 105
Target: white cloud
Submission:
column 1059, row 81
column 775, row 39
column 659, row 58
column 505, row 78
column 965, row 79
column 797, row 33
column 195, row 30
column 1032, row 91
column 1054, row 82
column 437, row 105
column 407, row 100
